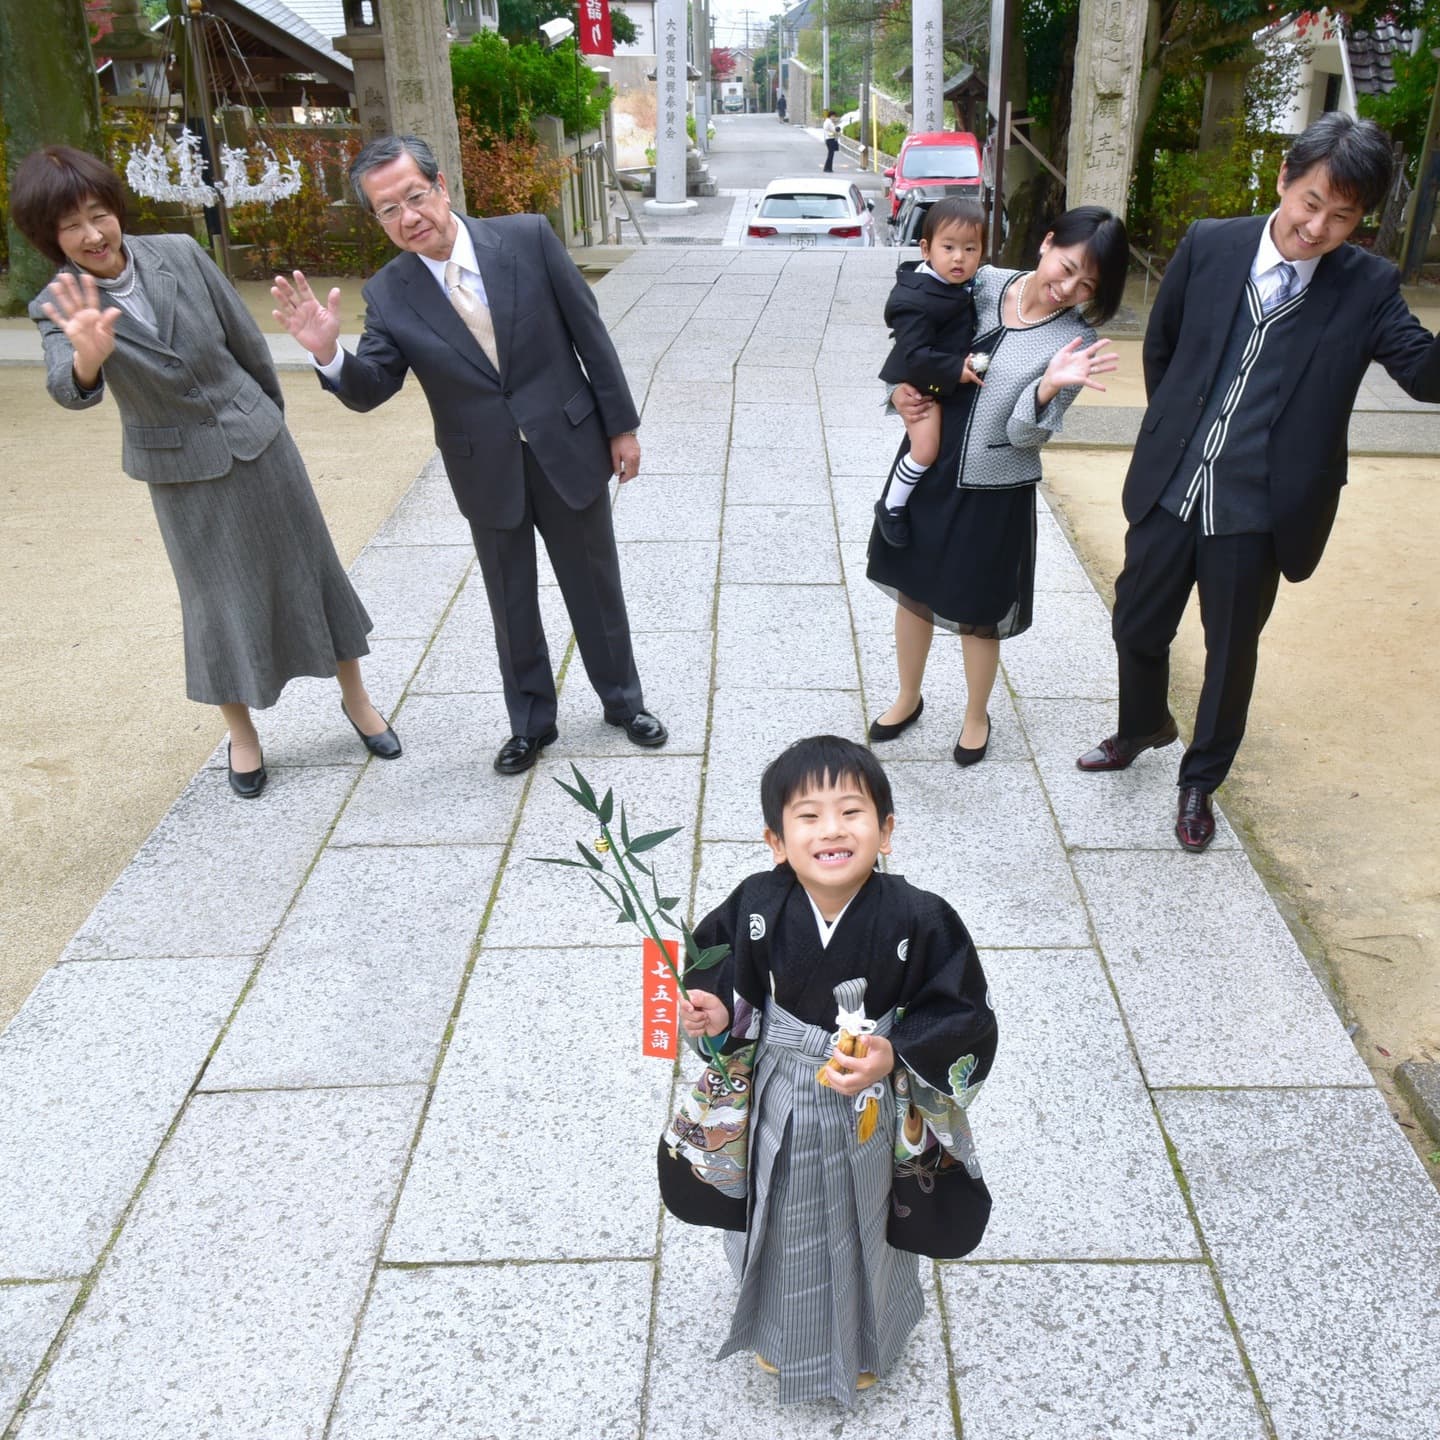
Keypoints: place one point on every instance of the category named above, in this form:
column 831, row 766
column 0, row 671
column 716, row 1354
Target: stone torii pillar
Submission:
column 671, row 141
column 406, row 42
column 928, row 66
column 1108, row 61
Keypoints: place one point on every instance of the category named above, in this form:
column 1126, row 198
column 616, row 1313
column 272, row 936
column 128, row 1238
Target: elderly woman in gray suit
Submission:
column 262, row 592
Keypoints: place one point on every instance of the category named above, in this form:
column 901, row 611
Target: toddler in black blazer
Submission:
column 931, row 315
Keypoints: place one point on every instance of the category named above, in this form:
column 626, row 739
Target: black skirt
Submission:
column 970, row 564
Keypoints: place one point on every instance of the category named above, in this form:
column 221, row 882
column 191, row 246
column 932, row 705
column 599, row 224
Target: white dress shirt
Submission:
column 462, row 252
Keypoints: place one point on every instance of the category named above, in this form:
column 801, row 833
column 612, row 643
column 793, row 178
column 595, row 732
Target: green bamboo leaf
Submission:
column 668, row 903
column 650, row 841
column 709, row 957
column 624, row 828
column 605, row 890
column 591, row 859
column 629, row 905
column 546, row 860
column 692, row 948
column 585, row 790
column 607, row 807
column 575, row 795
column 641, row 866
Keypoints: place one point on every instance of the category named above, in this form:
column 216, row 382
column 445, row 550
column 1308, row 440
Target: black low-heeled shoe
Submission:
column 384, row 746
column 964, row 755
column 881, row 732
column 247, row 784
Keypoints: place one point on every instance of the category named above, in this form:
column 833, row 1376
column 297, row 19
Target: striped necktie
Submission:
column 1286, row 289
column 474, row 312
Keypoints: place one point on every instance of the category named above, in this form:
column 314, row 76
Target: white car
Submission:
column 811, row 212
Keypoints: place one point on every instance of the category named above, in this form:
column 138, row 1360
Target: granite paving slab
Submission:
column 759, row 384
column 784, row 637
column 427, row 515
column 30, row 1317
column 538, row 903
column 763, row 426
column 482, row 1183
column 228, row 909
column 692, row 1315
column 406, row 588
column 1131, row 809
column 93, row 1070
column 1075, row 1352
column 443, row 790
column 1186, row 936
column 779, row 545
column 492, row 1367
column 229, row 1301
column 724, row 864
column 1325, row 1230
column 361, row 980
column 983, row 838
column 670, row 585
column 1057, row 567
column 748, row 729
column 871, row 609
column 1066, row 1099
column 854, row 498
column 684, row 447
column 1067, row 652
column 669, row 508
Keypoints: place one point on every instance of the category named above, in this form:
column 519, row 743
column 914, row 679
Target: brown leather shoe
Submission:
column 1116, row 752
column 1194, row 821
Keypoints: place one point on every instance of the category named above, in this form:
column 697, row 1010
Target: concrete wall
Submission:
column 800, row 87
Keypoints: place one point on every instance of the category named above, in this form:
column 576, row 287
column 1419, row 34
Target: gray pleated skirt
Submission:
column 263, row 595
column 822, row 1295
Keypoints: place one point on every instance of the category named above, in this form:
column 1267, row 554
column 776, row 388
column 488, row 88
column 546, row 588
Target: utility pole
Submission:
column 824, row 55
column 867, row 137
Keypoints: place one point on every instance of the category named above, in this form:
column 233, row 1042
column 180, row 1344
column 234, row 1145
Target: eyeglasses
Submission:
column 415, row 200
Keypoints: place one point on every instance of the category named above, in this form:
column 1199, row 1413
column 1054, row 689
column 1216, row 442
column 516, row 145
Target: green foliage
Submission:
column 1237, row 177
column 1047, row 31
column 1405, row 111
column 503, row 87
column 507, row 176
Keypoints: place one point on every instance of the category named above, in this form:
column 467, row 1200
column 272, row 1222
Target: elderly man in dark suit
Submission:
column 496, row 323
column 1260, row 336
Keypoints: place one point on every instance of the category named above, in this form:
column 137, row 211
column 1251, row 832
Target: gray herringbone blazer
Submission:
column 197, row 393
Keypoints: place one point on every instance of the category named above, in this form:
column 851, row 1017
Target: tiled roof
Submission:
column 1371, row 56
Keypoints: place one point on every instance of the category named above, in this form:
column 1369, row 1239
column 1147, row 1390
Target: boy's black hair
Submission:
column 819, row 760
column 965, row 214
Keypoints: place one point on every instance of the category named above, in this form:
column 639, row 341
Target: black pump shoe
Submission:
column 384, row 746
column 246, row 784
column 966, row 756
column 880, row 732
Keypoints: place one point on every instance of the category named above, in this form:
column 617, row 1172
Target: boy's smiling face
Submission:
column 831, row 835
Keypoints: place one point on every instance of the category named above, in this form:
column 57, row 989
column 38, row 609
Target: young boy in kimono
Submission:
column 824, row 942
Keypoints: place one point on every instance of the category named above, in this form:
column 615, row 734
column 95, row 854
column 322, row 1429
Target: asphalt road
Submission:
column 749, row 151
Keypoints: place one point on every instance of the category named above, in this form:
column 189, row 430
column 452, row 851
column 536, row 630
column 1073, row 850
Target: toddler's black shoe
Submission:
column 894, row 525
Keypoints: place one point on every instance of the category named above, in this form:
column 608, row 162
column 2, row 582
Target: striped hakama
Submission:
column 822, row 1295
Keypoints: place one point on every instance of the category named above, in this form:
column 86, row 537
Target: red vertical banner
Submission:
column 661, row 1001
column 596, row 39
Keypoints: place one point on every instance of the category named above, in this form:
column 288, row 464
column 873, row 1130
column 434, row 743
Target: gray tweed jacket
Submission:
column 196, row 393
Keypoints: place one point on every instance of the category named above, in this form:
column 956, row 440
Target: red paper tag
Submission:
column 595, row 37
column 661, row 998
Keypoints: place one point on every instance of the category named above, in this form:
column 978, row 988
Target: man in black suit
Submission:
column 1260, row 336
column 496, row 322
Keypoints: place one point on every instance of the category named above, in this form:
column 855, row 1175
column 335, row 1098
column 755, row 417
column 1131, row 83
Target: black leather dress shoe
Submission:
column 520, row 752
column 893, row 525
column 1116, row 752
column 384, row 746
column 1194, row 820
column 973, row 756
column 643, row 729
column 880, row 732
column 247, row 784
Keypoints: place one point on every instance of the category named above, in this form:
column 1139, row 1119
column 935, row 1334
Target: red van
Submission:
column 939, row 157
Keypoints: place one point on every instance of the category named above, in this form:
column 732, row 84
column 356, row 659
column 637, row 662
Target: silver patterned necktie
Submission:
column 474, row 312
column 1286, row 290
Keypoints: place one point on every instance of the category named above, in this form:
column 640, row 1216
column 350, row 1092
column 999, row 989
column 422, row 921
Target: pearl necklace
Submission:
column 1020, row 303
column 113, row 287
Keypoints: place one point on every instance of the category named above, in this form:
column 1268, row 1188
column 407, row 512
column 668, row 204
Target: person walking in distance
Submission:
column 832, row 140
column 1262, row 331
column 532, row 416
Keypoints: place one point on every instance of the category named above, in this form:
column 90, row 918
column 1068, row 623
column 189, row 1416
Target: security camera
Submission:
column 553, row 32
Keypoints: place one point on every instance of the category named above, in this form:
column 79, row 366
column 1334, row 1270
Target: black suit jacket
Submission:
column 547, row 326
column 933, row 324
column 1352, row 314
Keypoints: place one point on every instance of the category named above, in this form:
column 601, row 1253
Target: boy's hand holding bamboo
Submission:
column 703, row 1014
column 858, row 1062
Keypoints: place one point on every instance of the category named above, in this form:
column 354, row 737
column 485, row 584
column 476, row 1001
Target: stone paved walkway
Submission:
column 298, row 1140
